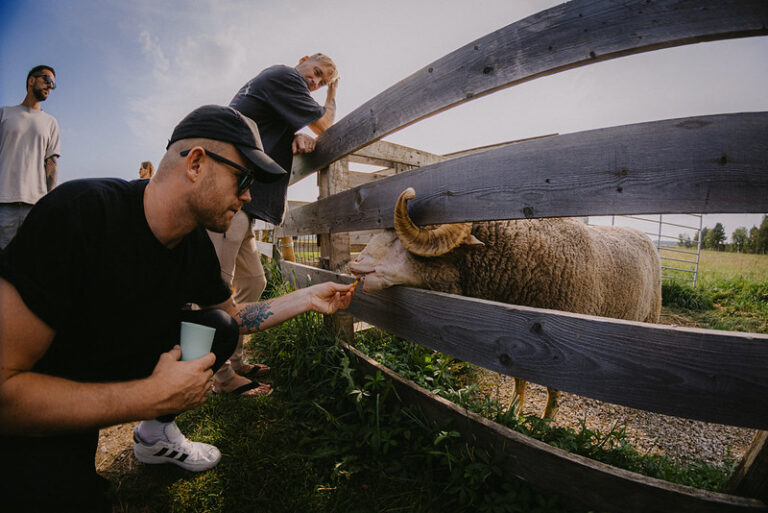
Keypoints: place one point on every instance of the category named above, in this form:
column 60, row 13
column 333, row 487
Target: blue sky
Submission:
column 127, row 72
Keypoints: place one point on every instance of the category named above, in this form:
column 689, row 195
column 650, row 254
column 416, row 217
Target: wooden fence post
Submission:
column 334, row 247
column 750, row 479
column 286, row 249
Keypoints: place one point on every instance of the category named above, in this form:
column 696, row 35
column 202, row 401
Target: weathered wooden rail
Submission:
column 700, row 164
column 707, row 164
column 714, row 376
column 568, row 36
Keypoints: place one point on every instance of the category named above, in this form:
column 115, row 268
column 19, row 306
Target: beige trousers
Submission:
column 241, row 269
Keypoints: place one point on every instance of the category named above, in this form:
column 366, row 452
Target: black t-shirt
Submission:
column 86, row 262
column 278, row 100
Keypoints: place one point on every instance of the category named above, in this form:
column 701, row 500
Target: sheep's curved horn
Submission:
column 426, row 242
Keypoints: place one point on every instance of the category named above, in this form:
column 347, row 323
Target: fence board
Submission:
column 397, row 153
column 265, row 248
column 583, row 481
column 750, row 478
column 704, row 164
column 357, row 178
column 708, row 375
column 567, row 36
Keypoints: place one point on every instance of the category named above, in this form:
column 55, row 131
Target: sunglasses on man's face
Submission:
column 245, row 180
column 48, row 80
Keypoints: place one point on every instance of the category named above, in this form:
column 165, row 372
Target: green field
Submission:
column 731, row 294
column 714, row 265
column 720, row 265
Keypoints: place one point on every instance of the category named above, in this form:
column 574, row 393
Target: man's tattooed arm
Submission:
column 252, row 315
column 51, row 172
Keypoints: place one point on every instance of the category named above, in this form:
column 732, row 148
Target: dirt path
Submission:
column 115, row 447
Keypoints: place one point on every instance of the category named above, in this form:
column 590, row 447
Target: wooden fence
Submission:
column 707, row 164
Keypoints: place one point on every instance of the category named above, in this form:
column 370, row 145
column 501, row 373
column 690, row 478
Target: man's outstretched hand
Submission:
column 329, row 297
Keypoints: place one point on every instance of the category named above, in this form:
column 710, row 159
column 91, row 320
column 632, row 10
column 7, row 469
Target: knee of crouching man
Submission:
column 227, row 332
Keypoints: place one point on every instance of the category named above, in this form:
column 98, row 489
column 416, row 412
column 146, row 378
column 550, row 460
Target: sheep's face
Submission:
column 385, row 263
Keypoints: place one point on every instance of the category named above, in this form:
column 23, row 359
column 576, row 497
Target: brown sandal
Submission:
column 255, row 370
column 252, row 389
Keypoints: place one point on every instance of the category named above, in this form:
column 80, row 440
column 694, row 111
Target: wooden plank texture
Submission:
column 357, row 178
column 362, row 237
column 567, row 36
column 703, row 164
column 714, row 376
column 480, row 149
column 260, row 225
column 335, row 247
column 581, row 481
column 750, row 478
column 265, row 248
column 397, row 153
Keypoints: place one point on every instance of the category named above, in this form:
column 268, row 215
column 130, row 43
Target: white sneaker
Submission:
column 194, row 456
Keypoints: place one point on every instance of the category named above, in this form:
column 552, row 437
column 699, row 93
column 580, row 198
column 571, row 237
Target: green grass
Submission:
column 453, row 380
column 332, row 440
column 682, row 295
column 732, row 293
column 718, row 265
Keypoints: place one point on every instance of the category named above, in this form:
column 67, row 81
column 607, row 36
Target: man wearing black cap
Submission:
column 73, row 361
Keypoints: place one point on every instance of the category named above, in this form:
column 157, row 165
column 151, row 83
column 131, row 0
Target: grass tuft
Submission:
column 674, row 293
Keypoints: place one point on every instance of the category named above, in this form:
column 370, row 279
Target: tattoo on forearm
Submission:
column 51, row 169
column 253, row 315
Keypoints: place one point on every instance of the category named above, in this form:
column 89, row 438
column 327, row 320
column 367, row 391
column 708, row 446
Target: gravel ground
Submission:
column 683, row 439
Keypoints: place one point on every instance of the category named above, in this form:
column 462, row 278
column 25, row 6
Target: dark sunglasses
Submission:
column 246, row 179
column 48, row 80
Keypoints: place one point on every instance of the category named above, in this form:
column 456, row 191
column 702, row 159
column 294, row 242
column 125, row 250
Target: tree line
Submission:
column 754, row 240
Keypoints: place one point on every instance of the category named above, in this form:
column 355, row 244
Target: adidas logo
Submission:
column 172, row 454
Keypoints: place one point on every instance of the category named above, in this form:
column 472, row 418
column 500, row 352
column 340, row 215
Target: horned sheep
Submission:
column 557, row 263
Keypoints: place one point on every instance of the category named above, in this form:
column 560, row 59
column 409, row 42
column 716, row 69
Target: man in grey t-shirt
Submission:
column 29, row 147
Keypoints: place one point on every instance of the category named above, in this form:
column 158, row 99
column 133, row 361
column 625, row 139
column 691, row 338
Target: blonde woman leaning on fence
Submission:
column 147, row 170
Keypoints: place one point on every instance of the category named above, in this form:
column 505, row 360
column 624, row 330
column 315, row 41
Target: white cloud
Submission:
column 151, row 49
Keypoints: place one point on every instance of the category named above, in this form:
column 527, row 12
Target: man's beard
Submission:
column 217, row 225
column 209, row 214
column 213, row 220
column 39, row 95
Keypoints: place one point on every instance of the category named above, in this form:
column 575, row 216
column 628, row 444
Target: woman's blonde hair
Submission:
column 149, row 167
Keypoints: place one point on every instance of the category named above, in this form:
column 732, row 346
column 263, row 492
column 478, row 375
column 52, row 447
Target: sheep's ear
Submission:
column 471, row 240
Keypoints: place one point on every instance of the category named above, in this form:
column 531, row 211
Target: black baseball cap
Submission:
column 226, row 124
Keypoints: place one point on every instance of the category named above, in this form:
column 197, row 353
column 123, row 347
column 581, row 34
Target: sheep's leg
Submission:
column 552, row 403
column 518, row 396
